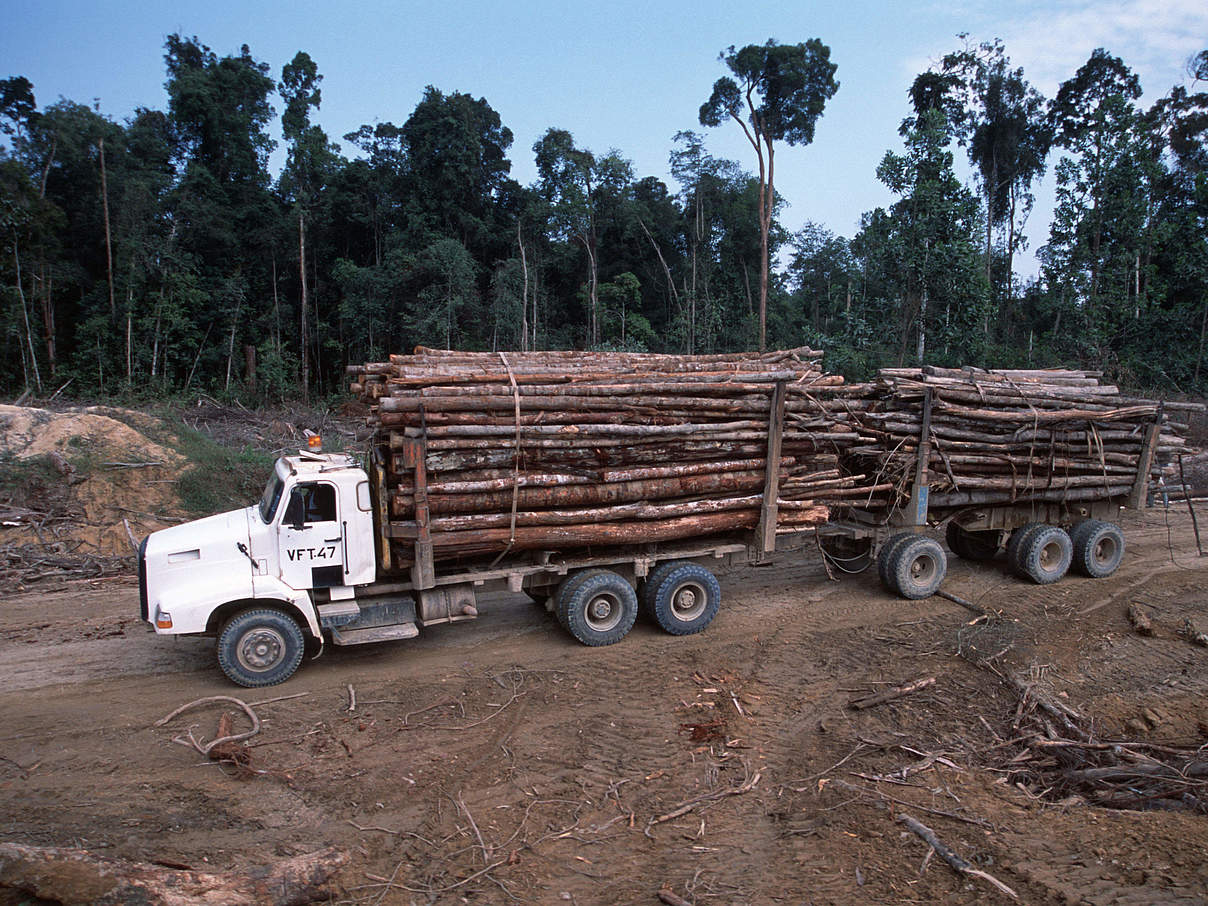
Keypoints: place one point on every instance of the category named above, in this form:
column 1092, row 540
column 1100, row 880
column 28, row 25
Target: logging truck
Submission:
column 312, row 563
column 608, row 484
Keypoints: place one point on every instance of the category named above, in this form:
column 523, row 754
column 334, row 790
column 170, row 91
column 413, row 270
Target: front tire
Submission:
column 260, row 648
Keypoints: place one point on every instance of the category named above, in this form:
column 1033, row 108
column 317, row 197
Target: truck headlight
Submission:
column 163, row 619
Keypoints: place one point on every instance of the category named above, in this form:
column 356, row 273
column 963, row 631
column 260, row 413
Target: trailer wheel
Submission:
column 686, row 598
column 1046, row 554
column 918, row 568
column 976, row 546
column 567, row 590
column 1018, row 543
column 601, row 609
column 885, row 556
column 649, row 587
column 260, row 648
column 1098, row 548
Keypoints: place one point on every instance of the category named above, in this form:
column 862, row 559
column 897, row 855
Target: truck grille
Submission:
column 143, row 608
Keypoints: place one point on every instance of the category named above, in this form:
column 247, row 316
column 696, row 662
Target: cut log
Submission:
column 79, row 876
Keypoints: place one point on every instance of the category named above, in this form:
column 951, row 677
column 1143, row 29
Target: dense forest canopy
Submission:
column 160, row 254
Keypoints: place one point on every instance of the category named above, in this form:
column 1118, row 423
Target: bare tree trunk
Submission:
column 29, row 340
column 767, row 198
column 100, row 144
column 129, row 336
column 1199, row 358
column 593, row 327
column 231, row 345
column 48, row 321
column 276, row 306
column 524, row 344
column 197, row 358
column 305, row 343
column 50, row 159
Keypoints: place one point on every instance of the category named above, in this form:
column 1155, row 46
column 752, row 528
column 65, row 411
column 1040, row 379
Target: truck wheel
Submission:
column 686, row 598
column 917, row 568
column 885, row 556
column 1018, row 543
column 567, row 590
column 650, row 586
column 1046, row 554
column 260, row 648
column 1098, row 548
column 976, row 546
column 601, row 609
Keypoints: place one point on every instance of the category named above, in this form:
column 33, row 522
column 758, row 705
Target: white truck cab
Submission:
column 250, row 576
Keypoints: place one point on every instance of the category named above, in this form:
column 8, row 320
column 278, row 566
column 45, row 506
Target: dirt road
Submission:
column 501, row 762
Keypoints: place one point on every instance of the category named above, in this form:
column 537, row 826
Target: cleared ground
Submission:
column 500, row 761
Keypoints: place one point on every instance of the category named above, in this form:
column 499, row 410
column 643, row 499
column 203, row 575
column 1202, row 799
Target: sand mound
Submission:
column 98, row 471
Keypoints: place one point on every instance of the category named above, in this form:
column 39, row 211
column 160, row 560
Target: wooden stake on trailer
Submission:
column 423, row 572
column 920, row 492
column 765, row 530
column 1136, row 497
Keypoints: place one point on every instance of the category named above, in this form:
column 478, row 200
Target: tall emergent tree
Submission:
column 777, row 94
column 306, row 169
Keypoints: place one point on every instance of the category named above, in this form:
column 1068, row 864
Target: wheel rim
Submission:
column 689, row 601
column 1050, row 556
column 1105, row 550
column 261, row 649
column 603, row 612
column 922, row 569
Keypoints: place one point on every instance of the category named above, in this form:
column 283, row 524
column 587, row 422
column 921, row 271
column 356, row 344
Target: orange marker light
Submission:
column 314, row 443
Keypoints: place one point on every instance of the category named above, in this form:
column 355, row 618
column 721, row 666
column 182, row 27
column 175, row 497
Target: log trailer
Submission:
column 319, row 558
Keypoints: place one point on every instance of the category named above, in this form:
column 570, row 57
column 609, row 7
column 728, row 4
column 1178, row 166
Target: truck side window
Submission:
column 311, row 503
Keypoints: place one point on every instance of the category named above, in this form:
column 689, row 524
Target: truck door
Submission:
column 312, row 545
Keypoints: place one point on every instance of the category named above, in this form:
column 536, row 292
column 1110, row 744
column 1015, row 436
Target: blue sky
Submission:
column 620, row 74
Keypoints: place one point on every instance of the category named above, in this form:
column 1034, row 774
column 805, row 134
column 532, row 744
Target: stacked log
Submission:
column 1012, row 436
column 558, row 450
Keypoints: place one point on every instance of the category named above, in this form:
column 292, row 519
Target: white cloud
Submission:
column 1153, row 37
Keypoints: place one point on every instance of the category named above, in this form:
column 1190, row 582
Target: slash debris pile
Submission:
column 567, row 449
column 1000, row 437
column 1057, row 755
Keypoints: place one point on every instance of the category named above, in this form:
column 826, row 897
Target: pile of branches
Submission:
column 1059, row 756
column 558, row 450
column 24, row 563
column 1000, row 437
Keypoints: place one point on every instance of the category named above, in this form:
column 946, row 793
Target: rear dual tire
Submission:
column 912, row 566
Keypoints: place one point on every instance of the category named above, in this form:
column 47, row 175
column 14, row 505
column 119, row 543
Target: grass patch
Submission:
column 217, row 478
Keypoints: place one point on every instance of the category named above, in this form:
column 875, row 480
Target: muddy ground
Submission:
column 501, row 762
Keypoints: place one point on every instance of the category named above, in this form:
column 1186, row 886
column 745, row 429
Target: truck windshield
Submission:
column 271, row 497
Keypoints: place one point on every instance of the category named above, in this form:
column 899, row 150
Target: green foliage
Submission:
column 138, row 259
column 216, row 478
column 792, row 81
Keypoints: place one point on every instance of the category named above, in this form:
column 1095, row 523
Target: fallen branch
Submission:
column 871, row 701
column 204, row 748
column 958, row 864
column 671, row 898
column 691, row 804
column 79, row 876
column 352, row 699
